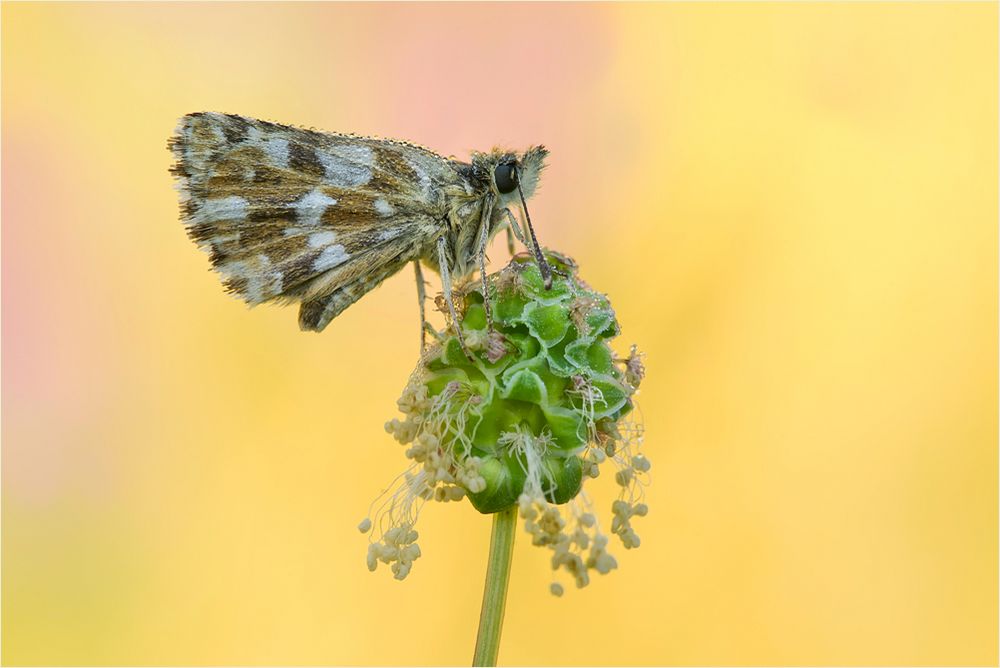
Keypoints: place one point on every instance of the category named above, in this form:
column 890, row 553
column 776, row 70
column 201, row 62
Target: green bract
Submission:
column 520, row 412
column 546, row 371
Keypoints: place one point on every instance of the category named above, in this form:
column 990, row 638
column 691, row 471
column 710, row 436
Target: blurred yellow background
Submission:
column 792, row 206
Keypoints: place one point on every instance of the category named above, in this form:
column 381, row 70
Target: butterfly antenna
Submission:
column 543, row 265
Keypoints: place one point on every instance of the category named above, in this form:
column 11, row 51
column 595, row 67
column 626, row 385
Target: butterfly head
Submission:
column 508, row 171
column 514, row 178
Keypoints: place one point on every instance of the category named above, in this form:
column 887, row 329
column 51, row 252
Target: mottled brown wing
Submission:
column 291, row 214
column 382, row 262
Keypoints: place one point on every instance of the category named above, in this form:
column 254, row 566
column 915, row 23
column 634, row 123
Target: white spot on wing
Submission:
column 390, row 233
column 425, row 179
column 310, row 207
column 330, row 258
column 277, row 150
column 263, row 280
column 222, row 208
column 349, row 167
column 320, row 239
column 383, row 208
column 271, row 278
column 216, row 128
column 274, row 147
column 357, row 153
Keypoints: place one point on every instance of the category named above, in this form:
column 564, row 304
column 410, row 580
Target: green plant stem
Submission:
column 495, row 592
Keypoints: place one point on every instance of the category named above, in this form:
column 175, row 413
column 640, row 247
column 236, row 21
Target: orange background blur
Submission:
column 792, row 206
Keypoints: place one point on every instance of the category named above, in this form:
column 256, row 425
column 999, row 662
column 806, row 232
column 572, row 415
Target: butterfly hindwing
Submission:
column 317, row 311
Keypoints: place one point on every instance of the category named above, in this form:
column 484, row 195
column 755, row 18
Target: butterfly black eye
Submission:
column 505, row 176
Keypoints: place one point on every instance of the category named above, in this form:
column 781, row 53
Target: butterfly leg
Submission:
column 484, row 238
column 446, row 289
column 425, row 327
column 514, row 230
column 421, row 297
column 525, row 232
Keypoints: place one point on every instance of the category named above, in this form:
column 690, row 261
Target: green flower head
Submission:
column 521, row 414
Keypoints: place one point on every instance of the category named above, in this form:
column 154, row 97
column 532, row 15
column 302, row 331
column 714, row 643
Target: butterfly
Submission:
column 294, row 215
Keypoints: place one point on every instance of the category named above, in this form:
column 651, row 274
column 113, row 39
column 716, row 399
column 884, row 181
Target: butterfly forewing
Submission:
column 294, row 214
